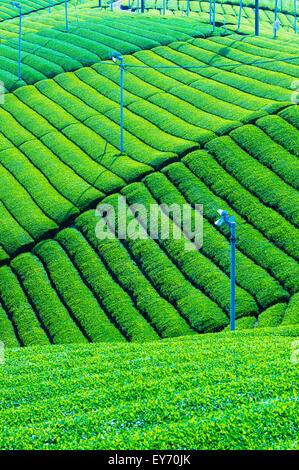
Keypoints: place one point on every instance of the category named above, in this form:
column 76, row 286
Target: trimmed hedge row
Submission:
column 175, row 105
column 272, row 316
column 255, row 142
column 272, row 73
column 75, row 294
column 195, row 266
column 281, row 132
column 249, row 276
column 292, row 312
column 19, row 310
column 166, row 121
column 22, row 207
column 159, row 312
column 12, row 235
column 51, row 202
column 261, row 182
column 214, row 188
column 116, row 302
column 163, row 79
column 7, row 333
column 246, row 93
column 201, row 312
column 54, row 315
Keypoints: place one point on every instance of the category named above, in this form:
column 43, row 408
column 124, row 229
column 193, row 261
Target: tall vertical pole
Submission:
column 121, row 105
column 137, row 6
column 49, row 6
column 20, row 43
column 142, row 6
column 111, row 5
column 232, row 275
column 164, row 7
column 188, row 7
column 100, row 3
column 66, row 17
column 240, row 13
column 214, row 15
column 275, row 18
column 210, row 11
column 257, row 19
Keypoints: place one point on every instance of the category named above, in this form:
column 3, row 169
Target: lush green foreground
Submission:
column 215, row 391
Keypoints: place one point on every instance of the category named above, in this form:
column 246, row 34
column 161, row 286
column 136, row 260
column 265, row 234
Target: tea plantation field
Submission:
column 214, row 391
column 206, row 120
column 103, row 338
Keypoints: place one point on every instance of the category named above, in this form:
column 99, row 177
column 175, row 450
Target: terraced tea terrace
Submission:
column 210, row 117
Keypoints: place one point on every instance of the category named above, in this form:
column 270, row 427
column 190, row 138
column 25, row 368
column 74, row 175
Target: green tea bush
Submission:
column 19, row 310
column 54, row 315
column 268, row 187
column 117, row 304
column 257, row 281
column 76, row 295
column 255, row 142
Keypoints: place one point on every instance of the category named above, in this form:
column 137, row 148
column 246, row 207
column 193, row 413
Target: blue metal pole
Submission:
column 214, row 15
column 257, row 19
column 240, row 13
column 164, row 7
column 20, row 43
column 137, row 6
column 66, row 17
column 275, row 17
column 210, row 11
column 188, row 7
column 49, row 6
column 111, row 5
column 232, row 275
column 295, row 19
column 121, row 105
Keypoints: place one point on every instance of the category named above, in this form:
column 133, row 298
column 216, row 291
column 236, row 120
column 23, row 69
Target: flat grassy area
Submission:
column 213, row 391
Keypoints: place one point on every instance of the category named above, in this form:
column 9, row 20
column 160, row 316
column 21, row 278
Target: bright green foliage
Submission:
column 75, row 294
column 118, row 305
column 292, row 312
column 160, row 313
column 7, row 333
column 269, row 188
column 20, row 311
column 215, row 246
column 54, row 315
column 216, row 391
column 273, row 316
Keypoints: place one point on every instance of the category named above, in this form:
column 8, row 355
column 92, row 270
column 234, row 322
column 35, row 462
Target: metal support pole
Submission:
column 188, row 7
column 164, row 7
column 240, row 13
column 49, row 6
column 66, row 17
column 20, row 44
column 121, row 105
column 137, row 6
column 214, row 15
column 257, row 19
column 111, row 5
column 275, row 18
column 232, row 275
column 100, row 3
column 142, row 6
